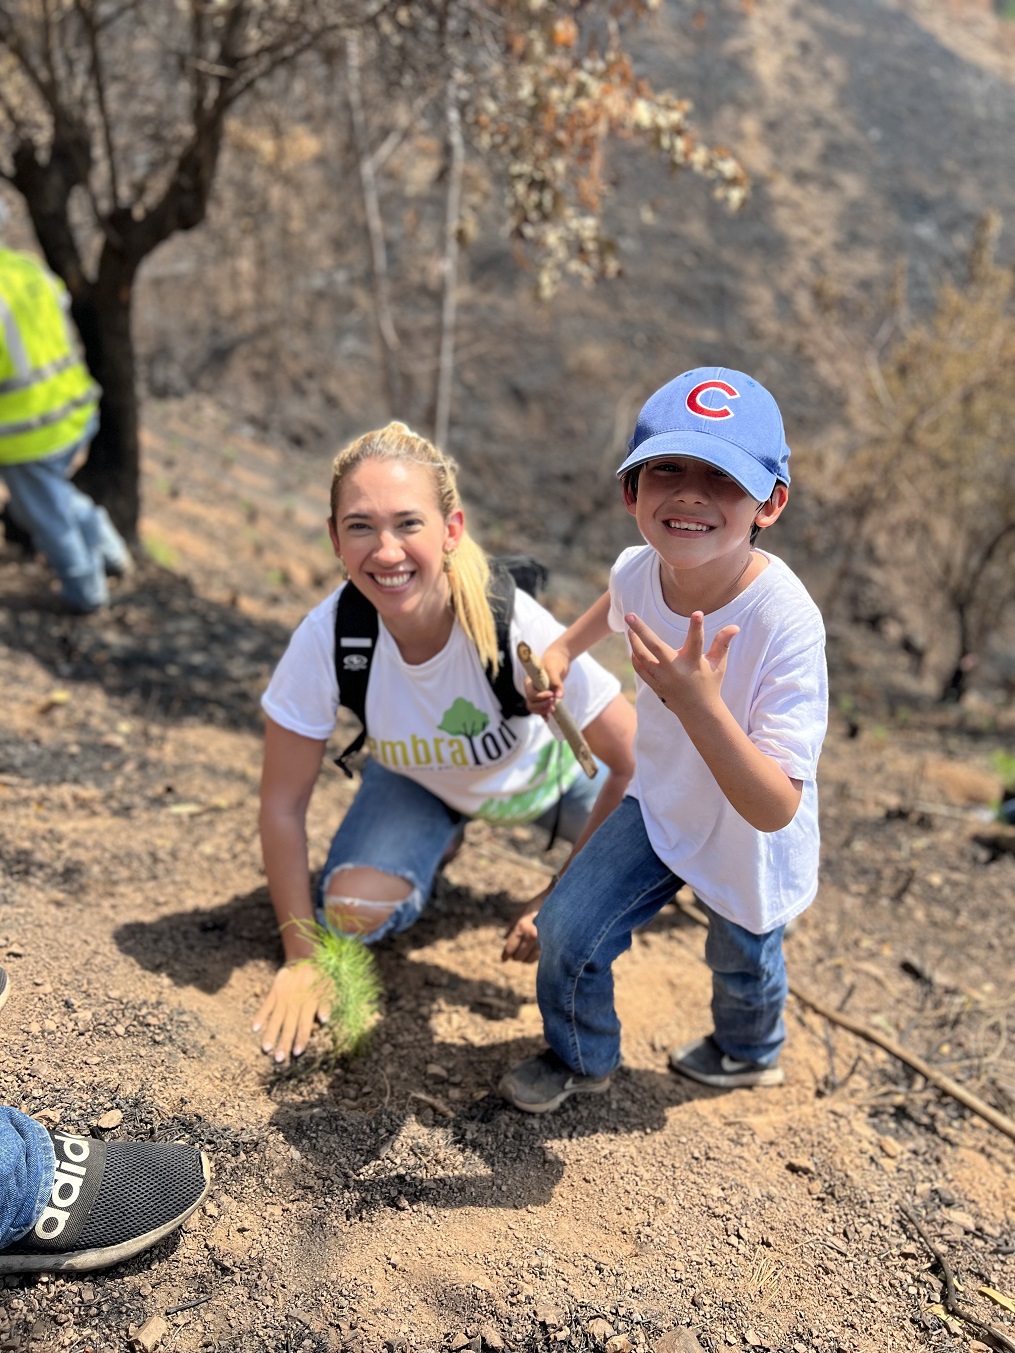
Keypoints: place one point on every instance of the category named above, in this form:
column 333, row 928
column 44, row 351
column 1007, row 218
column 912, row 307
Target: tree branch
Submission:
column 449, row 303
column 374, row 221
column 98, row 79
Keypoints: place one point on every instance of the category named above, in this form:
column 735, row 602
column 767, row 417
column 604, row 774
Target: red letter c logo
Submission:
column 702, row 410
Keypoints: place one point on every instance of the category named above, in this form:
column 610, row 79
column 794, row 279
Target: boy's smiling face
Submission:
column 694, row 515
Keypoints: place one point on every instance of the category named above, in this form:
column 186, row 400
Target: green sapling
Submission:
column 347, row 971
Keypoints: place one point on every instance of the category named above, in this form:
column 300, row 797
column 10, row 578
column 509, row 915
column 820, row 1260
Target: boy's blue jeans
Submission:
column 27, row 1170
column 75, row 534
column 615, row 884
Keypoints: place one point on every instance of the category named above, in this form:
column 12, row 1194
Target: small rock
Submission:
column 112, row 1118
column 50, row 1117
column 436, row 1072
column 459, row 1341
column 491, row 1338
column 151, row 1333
column 890, row 1147
column 798, row 1166
column 600, row 1329
column 620, row 1343
column 678, row 1341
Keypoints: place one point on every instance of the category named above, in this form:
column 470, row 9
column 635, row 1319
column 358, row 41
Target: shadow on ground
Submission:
column 169, row 651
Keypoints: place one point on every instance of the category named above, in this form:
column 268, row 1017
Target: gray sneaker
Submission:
column 704, row 1061
column 543, row 1083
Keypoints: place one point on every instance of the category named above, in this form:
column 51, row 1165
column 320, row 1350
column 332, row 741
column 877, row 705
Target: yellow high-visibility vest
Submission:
column 47, row 396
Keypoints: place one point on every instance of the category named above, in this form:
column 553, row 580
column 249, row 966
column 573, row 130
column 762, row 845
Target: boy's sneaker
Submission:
column 704, row 1061
column 110, row 1201
column 5, row 987
column 543, row 1083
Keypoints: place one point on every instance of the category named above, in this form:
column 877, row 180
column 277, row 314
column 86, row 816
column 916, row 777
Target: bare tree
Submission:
column 113, row 115
column 529, row 97
column 933, row 491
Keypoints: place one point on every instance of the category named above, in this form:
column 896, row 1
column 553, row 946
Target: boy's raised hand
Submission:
column 681, row 677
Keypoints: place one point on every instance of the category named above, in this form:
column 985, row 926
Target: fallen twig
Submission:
column 951, row 1087
column 951, row 1304
column 189, row 1305
column 973, row 1102
column 439, row 1106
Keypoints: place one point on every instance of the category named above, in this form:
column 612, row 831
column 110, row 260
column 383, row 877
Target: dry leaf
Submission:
column 51, row 701
column 998, row 1298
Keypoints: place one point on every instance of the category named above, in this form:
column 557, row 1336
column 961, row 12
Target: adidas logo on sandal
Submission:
column 71, row 1172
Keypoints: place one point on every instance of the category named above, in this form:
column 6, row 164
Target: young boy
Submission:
column 728, row 652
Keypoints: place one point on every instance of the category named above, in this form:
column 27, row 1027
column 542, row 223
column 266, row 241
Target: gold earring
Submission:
column 447, row 560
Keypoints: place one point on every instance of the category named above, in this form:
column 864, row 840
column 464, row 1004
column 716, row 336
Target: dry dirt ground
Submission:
column 392, row 1202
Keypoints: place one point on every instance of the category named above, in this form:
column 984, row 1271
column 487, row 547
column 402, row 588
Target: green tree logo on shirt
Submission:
column 464, row 720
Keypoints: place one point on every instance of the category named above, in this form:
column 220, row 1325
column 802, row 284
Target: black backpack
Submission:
column 356, row 635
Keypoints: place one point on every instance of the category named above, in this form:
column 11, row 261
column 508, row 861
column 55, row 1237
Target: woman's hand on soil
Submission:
column 295, row 1001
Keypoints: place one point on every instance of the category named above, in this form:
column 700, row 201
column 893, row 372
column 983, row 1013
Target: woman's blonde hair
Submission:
column 466, row 567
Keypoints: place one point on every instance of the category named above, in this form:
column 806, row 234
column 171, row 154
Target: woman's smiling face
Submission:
column 389, row 533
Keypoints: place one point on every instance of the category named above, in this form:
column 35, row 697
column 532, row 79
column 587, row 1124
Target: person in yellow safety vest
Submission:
column 48, row 415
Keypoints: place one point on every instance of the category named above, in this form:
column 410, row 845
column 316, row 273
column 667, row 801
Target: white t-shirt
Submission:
column 776, row 687
column 439, row 722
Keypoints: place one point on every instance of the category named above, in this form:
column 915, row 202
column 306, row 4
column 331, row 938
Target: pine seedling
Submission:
column 347, row 971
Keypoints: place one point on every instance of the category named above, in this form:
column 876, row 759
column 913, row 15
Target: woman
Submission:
column 398, row 528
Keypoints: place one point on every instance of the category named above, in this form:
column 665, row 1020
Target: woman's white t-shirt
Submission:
column 439, row 722
column 776, row 687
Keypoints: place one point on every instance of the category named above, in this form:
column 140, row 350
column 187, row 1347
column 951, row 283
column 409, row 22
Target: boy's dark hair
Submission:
column 629, row 483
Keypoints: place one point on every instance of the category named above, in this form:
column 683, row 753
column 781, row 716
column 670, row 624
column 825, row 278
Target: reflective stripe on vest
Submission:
column 43, row 420
column 47, row 396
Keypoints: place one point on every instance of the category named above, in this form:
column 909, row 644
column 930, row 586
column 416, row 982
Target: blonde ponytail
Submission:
column 466, row 566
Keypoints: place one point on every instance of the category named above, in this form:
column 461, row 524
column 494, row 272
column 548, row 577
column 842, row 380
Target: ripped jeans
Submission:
column 397, row 827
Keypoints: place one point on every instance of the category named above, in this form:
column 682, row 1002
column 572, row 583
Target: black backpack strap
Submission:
column 502, row 604
column 356, row 630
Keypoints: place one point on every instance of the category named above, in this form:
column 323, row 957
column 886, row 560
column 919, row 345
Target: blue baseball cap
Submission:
column 721, row 417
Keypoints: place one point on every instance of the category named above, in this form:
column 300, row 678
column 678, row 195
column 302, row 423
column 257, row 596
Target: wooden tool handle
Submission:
column 562, row 716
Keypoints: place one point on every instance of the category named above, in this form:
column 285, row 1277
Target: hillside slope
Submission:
column 393, row 1202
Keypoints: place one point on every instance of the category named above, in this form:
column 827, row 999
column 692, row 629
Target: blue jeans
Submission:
column 27, row 1171
column 615, row 884
column 398, row 827
column 77, row 537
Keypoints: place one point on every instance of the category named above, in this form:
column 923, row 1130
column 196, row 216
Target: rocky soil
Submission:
column 392, row 1203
